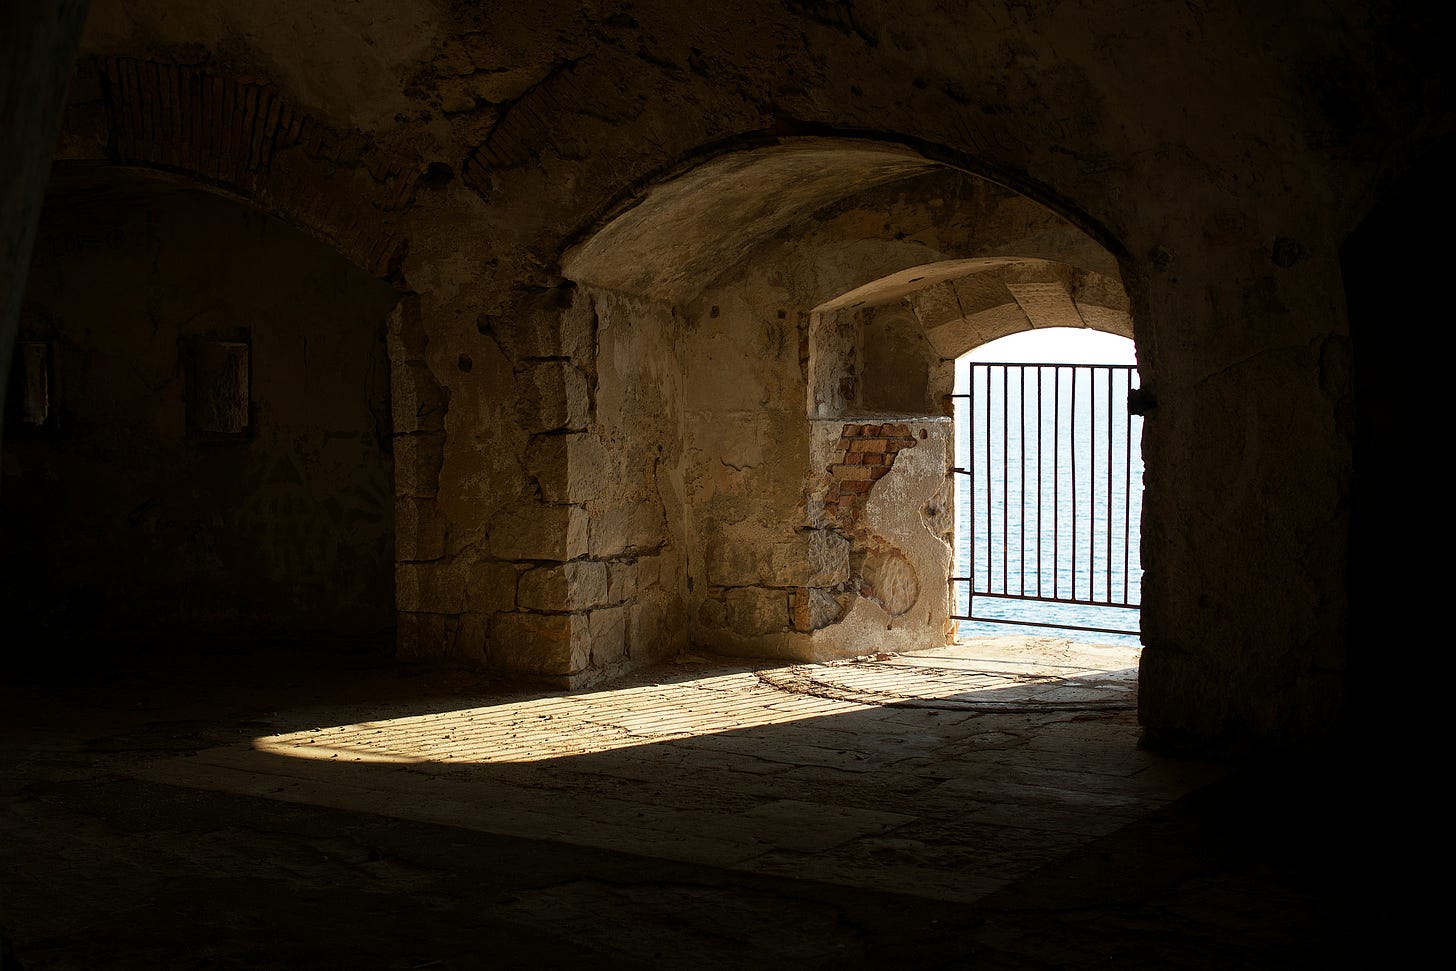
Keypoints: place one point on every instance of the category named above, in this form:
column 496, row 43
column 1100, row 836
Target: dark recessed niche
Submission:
column 218, row 389
column 30, row 405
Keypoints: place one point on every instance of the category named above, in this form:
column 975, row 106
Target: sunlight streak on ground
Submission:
column 538, row 728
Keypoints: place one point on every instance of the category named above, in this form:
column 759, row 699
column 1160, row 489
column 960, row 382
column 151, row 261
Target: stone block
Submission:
column 540, row 644
column 805, row 558
column 622, row 527
column 574, row 586
column 571, row 467
column 815, row 608
column 417, row 401
column 548, row 463
column 538, row 532
column 651, row 633
column 608, row 635
column 433, row 587
column 552, row 395
column 406, row 331
column 420, row 529
column 713, row 612
column 578, row 328
column 753, row 611
column 799, row 610
column 471, row 634
column 622, row 584
column 649, row 571
column 423, row 636
column 417, row 462
column 490, row 587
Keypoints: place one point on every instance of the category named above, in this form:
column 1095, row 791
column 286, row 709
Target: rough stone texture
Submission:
column 902, row 595
column 572, row 586
column 550, row 645
column 608, row 636
column 490, row 586
column 552, row 396
column 613, row 529
column 891, row 581
column 806, row 558
column 754, row 611
column 570, row 468
column 539, row 532
column 419, row 532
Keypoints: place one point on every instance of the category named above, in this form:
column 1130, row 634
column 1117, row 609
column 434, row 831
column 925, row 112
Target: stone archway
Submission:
column 818, row 290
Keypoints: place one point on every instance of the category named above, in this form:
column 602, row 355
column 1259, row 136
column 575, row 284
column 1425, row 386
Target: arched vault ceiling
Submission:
column 847, row 221
column 964, row 303
column 685, row 232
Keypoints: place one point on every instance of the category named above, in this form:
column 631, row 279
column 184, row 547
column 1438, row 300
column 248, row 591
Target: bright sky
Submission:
column 1058, row 345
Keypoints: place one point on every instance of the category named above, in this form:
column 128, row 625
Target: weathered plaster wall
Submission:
column 797, row 527
column 794, row 537
column 121, row 516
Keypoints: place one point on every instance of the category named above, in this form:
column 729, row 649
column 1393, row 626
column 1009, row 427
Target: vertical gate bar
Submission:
column 1021, row 499
column 1110, row 449
column 1056, row 481
column 1092, row 465
column 1040, row 373
column 1005, row 477
column 1091, row 481
column 971, row 467
column 1073, row 462
column 1127, row 498
column 990, row 492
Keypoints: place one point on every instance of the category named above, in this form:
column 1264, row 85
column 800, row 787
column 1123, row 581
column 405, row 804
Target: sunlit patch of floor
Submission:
column 943, row 773
column 538, row 729
column 1059, row 676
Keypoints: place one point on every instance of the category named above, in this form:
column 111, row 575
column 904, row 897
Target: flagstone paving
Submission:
column 983, row 805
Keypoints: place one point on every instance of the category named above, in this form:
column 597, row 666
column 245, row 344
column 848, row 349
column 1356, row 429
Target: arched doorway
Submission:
column 817, row 293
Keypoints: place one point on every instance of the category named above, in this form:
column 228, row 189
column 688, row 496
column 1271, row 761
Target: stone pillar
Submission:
column 1246, row 511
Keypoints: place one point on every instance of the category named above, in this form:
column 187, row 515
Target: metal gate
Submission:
column 1048, row 484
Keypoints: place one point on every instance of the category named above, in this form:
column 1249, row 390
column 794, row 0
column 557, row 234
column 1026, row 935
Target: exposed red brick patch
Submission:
column 865, row 454
column 337, row 185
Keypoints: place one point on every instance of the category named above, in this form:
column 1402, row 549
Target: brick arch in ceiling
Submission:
column 244, row 139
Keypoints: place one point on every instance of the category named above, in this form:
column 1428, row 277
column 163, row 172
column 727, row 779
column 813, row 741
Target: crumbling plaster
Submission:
column 461, row 150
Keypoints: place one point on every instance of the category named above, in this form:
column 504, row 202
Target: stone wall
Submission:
column 577, row 576
column 214, row 450
column 807, row 537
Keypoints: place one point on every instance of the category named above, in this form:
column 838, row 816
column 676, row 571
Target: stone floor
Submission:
column 982, row 805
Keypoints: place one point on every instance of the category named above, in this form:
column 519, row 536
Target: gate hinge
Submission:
column 1140, row 401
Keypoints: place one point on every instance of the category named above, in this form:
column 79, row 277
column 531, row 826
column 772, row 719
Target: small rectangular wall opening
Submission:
column 30, row 404
column 218, row 394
